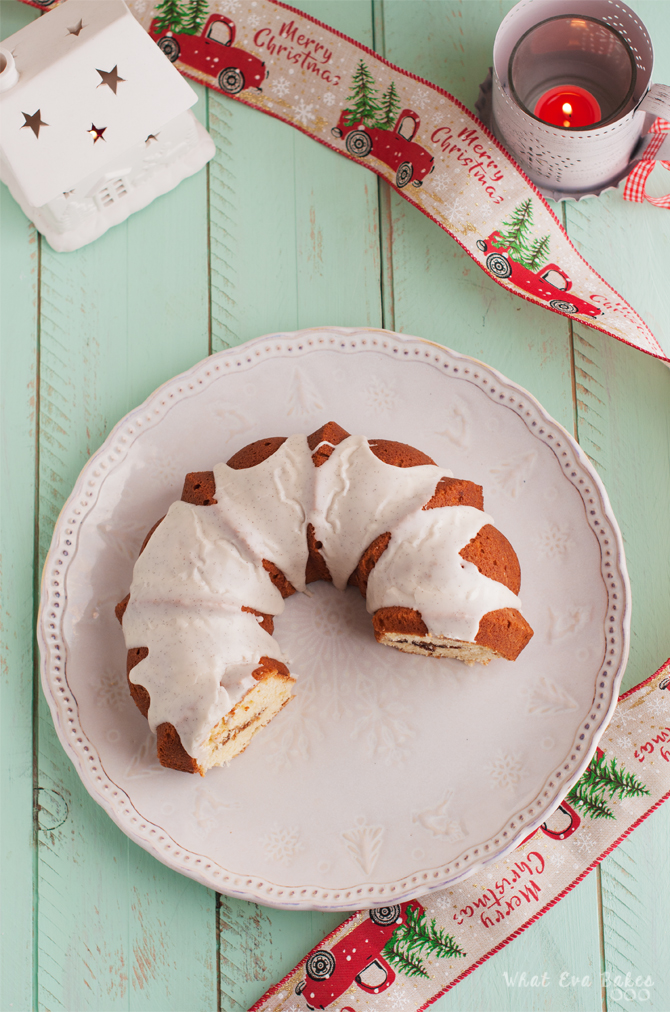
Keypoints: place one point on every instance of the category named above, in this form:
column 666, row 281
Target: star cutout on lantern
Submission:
column 150, row 138
column 96, row 133
column 76, row 28
column 110, row 78
column 34, row 122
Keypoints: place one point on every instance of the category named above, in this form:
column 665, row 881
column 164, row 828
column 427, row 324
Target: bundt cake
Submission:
column 437, row 577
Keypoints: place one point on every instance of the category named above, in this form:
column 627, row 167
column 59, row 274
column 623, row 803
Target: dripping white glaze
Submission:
column 203, row 564
column 422, row 565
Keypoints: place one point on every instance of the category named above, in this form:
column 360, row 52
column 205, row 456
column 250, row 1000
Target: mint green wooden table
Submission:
column 279, row 234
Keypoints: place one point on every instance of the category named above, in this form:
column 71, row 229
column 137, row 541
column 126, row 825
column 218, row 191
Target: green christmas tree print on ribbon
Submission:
column 168, row 15
column 194, row 17
column 363, row 107
column 389, row 108
column 588, row 794
column 188, row 18
column 515, row 236
column 416, row 938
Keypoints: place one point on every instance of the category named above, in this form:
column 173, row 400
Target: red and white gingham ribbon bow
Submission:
column 637, row 180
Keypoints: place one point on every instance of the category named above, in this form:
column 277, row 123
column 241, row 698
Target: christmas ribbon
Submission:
column 407, row 956
column 406, row 130
column 637, row 180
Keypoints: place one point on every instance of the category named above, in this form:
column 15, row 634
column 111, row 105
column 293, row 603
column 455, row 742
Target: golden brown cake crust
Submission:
column 120, row 608
column 140, row 695
column 492, row 554
column 271, row 666
column 171, row 752
column 331, row 433
column 368, row 561
column 316, row 568
column 268, row 621
column 398, row 620
column 281, row 583
column 505, row 631
column 456, row 492
column 199, row 488
column 398, row 454
column 255, row 453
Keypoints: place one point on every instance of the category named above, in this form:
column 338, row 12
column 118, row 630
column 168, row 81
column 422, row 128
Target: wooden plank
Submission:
column 116, row 928
column 18, row 351
column 294, row 233
column 623, row 417
column 259, row 945
column 636, row 887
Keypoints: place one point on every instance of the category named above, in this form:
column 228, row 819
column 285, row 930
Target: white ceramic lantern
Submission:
column 568, row 81
column 96, row 122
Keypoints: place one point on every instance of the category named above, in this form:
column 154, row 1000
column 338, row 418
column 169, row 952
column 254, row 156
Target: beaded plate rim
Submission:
column 576, row 468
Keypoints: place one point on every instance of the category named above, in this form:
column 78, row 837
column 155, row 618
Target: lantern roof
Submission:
column 91, row 85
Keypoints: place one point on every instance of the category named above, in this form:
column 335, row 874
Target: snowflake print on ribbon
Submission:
column 558, row 857
column 659, row 705
column 281, row 86
column 303, row 112
column 442, row 183
column 254, row 21
column 396, row 999
column 421, row 99
column 505, row 771
column 329, row 98
column 585, row 840
column 458, row 214
column 281, row 844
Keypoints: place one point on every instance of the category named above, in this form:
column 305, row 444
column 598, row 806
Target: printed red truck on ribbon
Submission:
column 396, row 148
column 212, row 52
column 331, row 972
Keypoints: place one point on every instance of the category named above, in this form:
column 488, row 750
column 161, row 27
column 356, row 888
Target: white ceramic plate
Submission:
column 388, row 775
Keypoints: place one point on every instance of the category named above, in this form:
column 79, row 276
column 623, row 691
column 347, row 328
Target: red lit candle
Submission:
column 568, row 106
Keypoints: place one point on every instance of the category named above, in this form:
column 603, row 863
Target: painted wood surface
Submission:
column 280, row 233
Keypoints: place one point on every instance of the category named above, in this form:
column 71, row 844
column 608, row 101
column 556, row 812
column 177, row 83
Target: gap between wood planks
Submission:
column 36, row 600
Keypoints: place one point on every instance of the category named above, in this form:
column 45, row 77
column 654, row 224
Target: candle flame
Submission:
column 567, row 108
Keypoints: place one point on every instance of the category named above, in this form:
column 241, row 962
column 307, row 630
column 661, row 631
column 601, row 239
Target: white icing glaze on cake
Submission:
column 203, row 564
column 422, row 565
column 189, row 586
column 359, row 497
column 267, row 506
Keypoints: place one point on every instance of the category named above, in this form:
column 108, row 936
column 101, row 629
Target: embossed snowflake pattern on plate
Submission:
column 387, row 775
